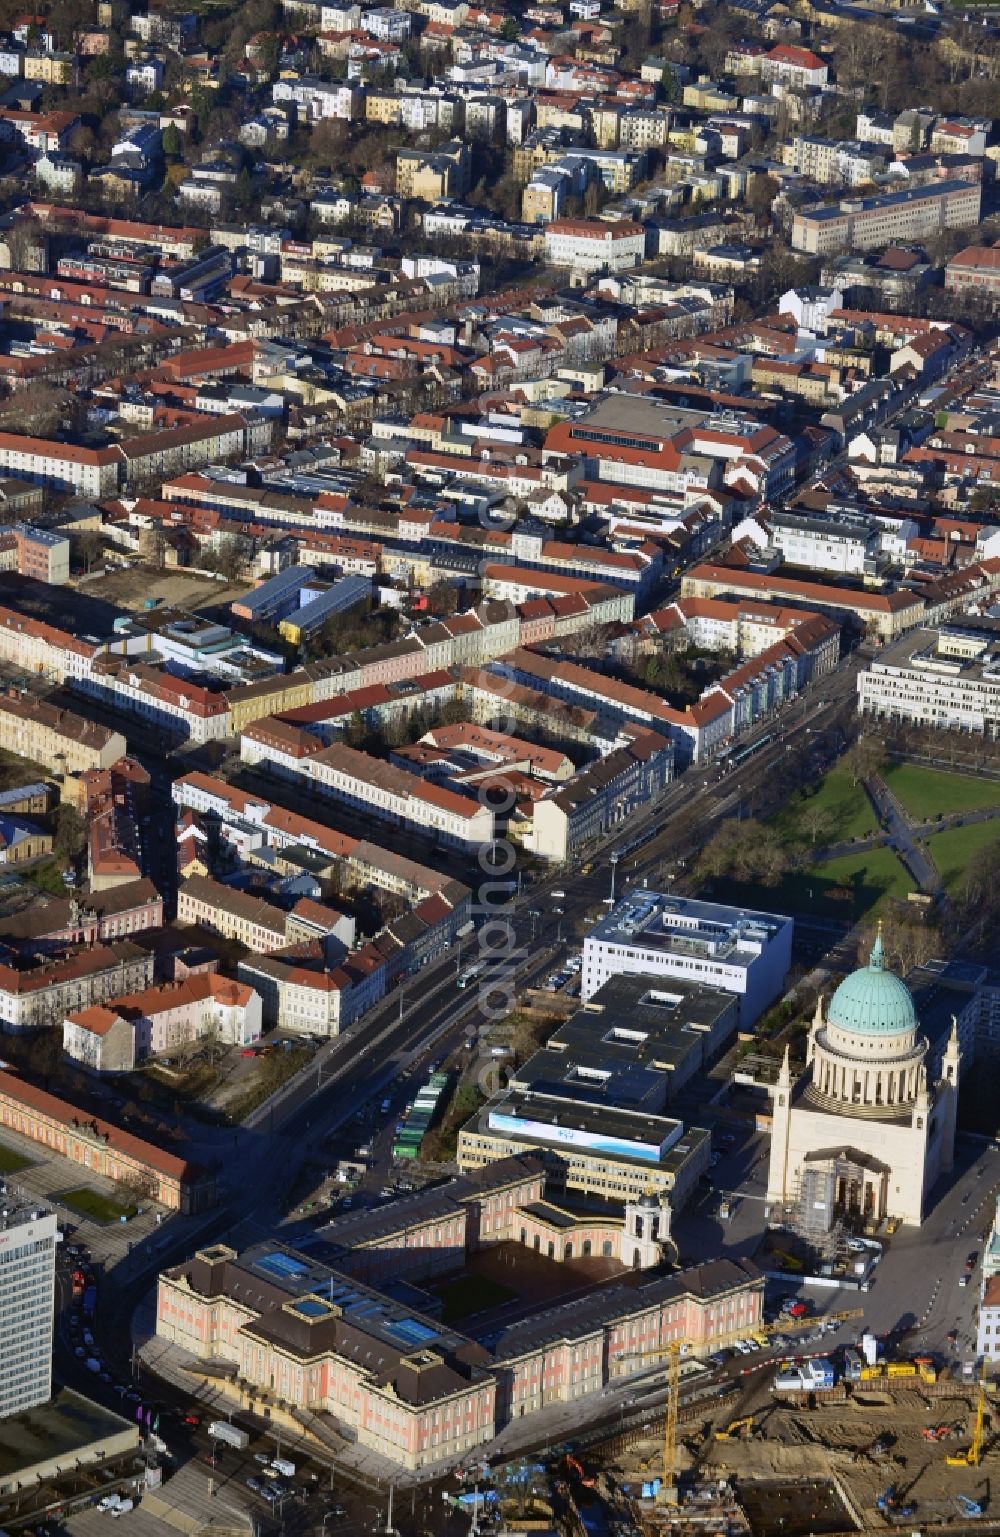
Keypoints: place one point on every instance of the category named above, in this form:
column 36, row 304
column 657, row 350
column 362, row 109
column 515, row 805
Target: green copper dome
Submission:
column 872, row 1001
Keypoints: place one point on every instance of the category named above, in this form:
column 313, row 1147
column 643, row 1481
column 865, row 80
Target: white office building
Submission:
column 947, row 678
column 27, row 1285
column 654, row 934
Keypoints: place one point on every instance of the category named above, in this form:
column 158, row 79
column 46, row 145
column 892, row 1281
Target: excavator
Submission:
column 735, row 1429
column 891, row 1502
column 971, row 1455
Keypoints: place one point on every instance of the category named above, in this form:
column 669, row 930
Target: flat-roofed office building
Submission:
column 27, row 1281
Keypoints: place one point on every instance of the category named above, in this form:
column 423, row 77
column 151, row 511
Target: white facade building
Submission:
column 863, row 1125
column 588, row 245
column 988, row 1329
column 647, row 932
column 948, row 678
column 840, row 543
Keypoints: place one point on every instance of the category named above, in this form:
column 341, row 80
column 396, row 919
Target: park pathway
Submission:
column 902, row 835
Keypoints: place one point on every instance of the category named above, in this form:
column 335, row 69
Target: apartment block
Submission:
column 860, row 224
column 35, row 552
column 974, row 270
column 63, row 742
column 384, row 791
column 118, row 1035
column 40, row 994
column 600, row 797
column 588, row 245
column 231, row 913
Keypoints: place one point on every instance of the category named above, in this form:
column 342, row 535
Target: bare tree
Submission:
column 816, row 821
column 906, row 943
column 865, row 758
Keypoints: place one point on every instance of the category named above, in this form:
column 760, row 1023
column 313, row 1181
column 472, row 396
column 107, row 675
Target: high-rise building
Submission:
column 27, row 1285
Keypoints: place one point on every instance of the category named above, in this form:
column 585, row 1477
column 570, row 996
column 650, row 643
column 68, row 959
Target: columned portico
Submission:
column 863, row 1111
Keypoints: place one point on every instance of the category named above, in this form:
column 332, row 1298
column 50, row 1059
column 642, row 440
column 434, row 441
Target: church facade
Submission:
column 862, row 1131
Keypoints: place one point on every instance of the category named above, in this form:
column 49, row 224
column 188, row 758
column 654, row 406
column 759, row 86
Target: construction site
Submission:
column 891, row 1452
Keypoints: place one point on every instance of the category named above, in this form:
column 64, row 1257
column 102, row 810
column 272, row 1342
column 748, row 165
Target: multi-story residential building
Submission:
column 742, row 627
column 33, row 646
column 885, row 614
column 841, row 542
column 917, row 213
column 122, row 1032
column 600, row 797
column 974, row 270
column 960, row 136
column 382, row 790
column 44, row 733
column 36, row 552
column 114, row 844
column 92, row 472
column 42, row 132
column 231, row 913
column 43, row 994
column 387, row 24
column 797, row 67
column 836, row 163
column 947, row 678
column 741, row 951
column 319, row 99
column 27, row 1295
column 70, row 1132
column 643, row 128
column 433, row 174
column 589, row 245
column 98, row 472
column 182, row 708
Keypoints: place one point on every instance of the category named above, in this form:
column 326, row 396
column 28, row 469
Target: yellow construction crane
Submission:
column 972, row 1455
column 672, row 1353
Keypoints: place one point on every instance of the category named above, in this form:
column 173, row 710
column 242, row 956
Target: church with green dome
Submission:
column 863, row 1131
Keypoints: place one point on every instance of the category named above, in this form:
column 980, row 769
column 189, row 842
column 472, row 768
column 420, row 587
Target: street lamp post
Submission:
column 614, row 866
